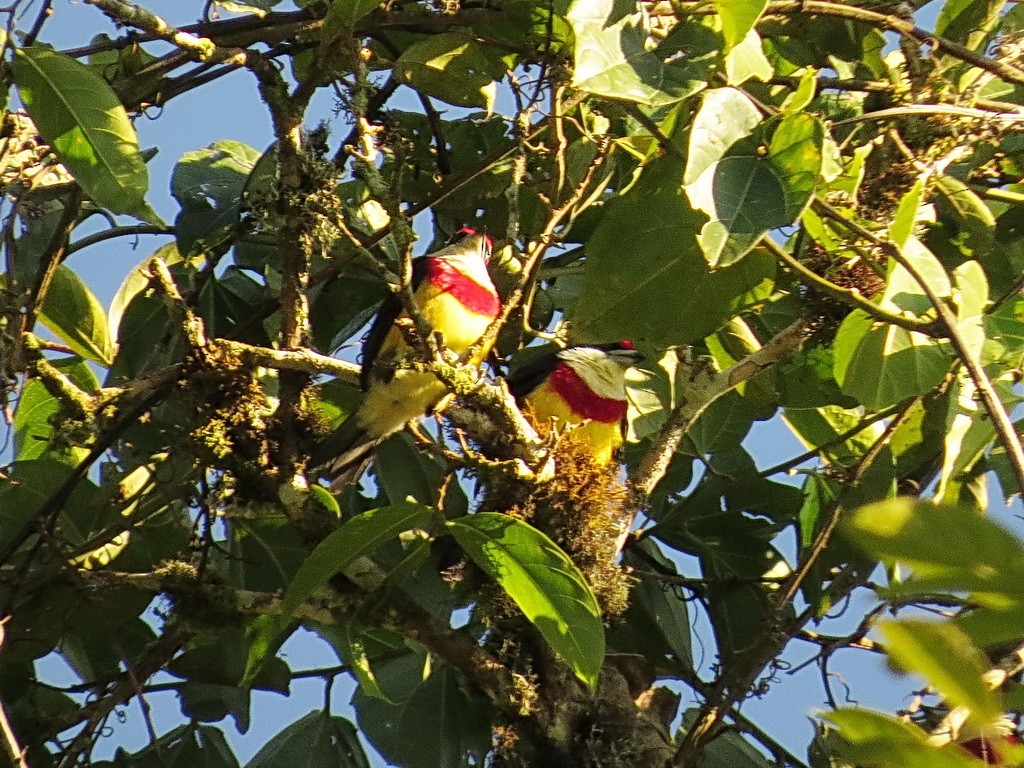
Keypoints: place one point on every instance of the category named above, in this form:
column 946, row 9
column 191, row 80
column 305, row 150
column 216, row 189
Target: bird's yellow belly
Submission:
column 407, row 395
column 460, row 329
column 602, row 439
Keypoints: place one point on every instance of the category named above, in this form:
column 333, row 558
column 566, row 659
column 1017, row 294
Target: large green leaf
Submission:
column 315, row 740
column 453, row 67
column 80, row 116
column 644, row 254
column 746, row 193
column 437, row 722
column 881, row 364
column 876, row 739
column 208, row 184
column 613, row 60
column 726, row 115
column 72, row 312
column 357, row 537
column 945, row 656
column 989, row 562
column 542, row 581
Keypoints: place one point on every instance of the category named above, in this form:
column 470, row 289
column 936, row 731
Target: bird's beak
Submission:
column 627, row 358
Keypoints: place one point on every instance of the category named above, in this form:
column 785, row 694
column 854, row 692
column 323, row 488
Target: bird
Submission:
column 581, row 386
column 456, row 297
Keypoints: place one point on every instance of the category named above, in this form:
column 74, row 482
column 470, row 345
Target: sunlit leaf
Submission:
column 747, row 61
column 919, row 534
column 72, row 312
column 946, row 658
column 877, row 739
column 881, row 364
column 453, row 67
column 666, row 272
column 542, row 581
column 33, row 429
column 358, row 536
column 738, row 18
column 81, row 117
column 612, row 60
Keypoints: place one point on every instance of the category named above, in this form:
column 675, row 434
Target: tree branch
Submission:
column 700, row 391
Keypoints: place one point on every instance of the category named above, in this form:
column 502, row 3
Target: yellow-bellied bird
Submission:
column 583, row 387
column 455, row 295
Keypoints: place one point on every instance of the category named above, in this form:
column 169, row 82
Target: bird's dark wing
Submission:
column 386, row 316
column 526, row 378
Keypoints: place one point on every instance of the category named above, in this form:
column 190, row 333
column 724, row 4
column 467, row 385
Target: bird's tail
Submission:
column 345, row 449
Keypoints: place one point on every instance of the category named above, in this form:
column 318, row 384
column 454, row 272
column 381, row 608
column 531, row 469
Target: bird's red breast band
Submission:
column 584, row 402
column 473, row 296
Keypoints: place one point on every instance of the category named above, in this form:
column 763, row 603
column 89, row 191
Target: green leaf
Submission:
column 437, row 723
column 795, row 156
column 452, row 67
column 343, row 306
column 32, row 427
column 903, row 220
column 666, row 273
column 81, row 118
column 968, row 21
column 357, row 537
column 407, row 473
column 903, row 292
column 542, row 581
column 208, row 184
column 800, row 98
column 342, row 16
column 880, row 740
column 746, row 194
column 916, row 533
column 971, row 297
column 993, row 626
column 944, row 655
column 728, row 749
column 957, row 202
column 611, row 58
column 657, row 621
column 726, row 115
column 315, row 740
column 969, row 432
column 72, row 312
column 738, row 18
column 747, row 60
column 353, row 651
column 724, row 424
column 880, row 364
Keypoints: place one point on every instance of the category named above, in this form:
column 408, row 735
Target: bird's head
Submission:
column 473, row 240
column 602, row 366
column 622, row 352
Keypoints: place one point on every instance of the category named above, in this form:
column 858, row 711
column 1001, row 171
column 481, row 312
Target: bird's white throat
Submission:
column 600, row 371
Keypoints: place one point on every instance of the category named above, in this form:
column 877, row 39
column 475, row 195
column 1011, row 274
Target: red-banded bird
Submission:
column 583, row 387
column 455, row 295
